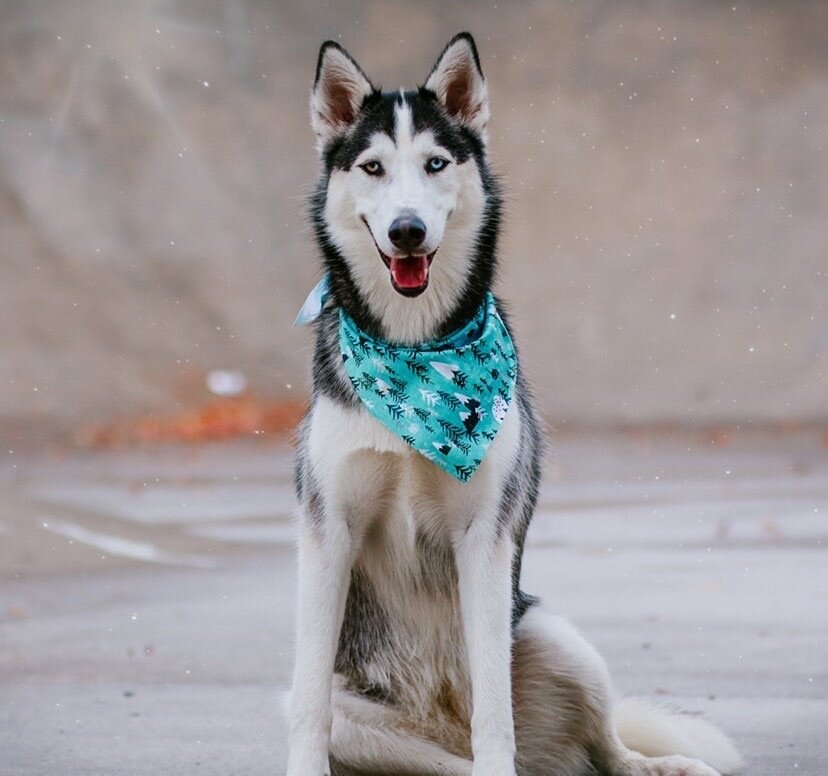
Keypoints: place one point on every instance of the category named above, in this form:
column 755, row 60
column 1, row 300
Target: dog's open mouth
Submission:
column 409, row 274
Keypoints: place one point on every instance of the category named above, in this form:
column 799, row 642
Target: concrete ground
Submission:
column 146, row 597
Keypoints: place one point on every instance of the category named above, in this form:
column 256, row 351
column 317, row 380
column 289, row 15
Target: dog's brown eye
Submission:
column 436, row 164
column 372, row 168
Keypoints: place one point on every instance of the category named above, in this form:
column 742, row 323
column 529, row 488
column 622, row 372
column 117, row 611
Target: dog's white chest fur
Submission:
column 336, row 432
column 367, row 467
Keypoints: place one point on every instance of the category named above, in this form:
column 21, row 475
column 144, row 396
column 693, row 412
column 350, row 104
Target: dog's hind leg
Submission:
column 564, row 713
column 560, row 692
column 368, row 738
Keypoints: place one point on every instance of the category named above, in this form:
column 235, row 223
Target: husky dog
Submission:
column 418, row 653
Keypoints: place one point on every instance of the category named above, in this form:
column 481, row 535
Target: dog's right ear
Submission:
column 338, row 91
column 458, row 82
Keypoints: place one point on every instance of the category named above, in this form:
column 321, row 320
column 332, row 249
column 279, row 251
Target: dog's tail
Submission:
column 655, row 731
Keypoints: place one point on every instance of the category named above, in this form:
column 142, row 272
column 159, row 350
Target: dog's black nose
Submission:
column 407, row 232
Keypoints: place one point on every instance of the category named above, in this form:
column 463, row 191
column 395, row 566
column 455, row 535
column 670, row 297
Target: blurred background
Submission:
column 666, row 164
column 665, row 257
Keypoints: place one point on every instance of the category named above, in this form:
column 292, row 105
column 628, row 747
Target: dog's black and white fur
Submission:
column 417, row 651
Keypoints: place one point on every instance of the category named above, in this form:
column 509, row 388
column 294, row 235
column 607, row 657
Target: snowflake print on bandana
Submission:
column 447, row 398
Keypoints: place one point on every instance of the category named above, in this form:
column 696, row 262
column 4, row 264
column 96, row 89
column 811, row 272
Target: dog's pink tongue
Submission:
column 410, row 272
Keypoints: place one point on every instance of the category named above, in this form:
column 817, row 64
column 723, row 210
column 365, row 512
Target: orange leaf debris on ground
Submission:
column 221, row 418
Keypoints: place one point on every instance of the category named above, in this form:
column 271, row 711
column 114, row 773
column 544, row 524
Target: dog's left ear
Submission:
column 339, row 89
column 457, row 80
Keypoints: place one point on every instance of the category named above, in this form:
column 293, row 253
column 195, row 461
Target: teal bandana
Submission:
column 445, row 398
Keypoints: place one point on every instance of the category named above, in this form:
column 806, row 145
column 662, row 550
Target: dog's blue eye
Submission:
column 372, row 168
column 436, row 163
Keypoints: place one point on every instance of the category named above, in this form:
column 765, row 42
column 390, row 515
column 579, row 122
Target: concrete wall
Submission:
column 666, row 251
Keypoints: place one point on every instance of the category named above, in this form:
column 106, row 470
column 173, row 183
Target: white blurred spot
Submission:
column 226, row 382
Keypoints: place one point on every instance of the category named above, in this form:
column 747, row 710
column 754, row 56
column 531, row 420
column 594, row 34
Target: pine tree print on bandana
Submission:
column 446, row 398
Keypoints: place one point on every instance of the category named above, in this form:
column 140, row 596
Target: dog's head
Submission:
column 406, row 209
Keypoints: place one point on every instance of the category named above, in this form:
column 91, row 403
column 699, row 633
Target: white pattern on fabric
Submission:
column 446, row 398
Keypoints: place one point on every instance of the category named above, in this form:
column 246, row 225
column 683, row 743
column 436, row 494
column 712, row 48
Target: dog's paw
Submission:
column 308, row 763
column 675, row 765
column 301, row 770
column 493, row 766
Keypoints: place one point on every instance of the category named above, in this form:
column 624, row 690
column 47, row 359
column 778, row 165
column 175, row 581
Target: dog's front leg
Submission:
column 325, row 559
column 484, row 567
